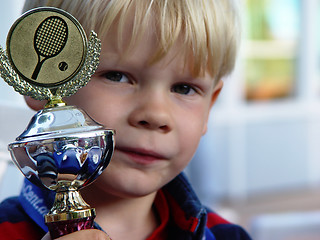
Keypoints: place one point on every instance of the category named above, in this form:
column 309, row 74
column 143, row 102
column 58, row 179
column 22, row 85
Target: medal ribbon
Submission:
column 36, row 202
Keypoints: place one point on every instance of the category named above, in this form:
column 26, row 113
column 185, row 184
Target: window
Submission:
column 271, row 51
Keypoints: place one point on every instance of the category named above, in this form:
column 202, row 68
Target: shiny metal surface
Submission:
column 69, row 205
column 63, row 149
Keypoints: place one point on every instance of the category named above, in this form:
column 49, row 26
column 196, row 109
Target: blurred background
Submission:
column 259, row 163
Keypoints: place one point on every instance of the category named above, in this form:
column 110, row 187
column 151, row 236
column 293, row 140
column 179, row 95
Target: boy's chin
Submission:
column 133, row 186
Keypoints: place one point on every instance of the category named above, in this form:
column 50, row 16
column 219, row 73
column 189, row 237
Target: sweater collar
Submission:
column 187, row 211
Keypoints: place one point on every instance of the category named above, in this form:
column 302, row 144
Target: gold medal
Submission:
column 48, row 55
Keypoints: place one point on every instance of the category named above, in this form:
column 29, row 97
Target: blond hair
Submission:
column 208, row 29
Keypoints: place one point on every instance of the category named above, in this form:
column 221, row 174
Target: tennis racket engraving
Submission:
column 49, row 40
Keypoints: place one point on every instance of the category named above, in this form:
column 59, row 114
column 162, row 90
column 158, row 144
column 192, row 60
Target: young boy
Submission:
column 160, row 72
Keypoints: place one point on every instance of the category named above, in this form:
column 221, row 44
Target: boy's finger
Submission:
column 82, row 235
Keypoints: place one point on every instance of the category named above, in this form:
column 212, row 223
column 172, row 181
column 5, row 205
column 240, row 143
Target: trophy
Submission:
column 48, row 57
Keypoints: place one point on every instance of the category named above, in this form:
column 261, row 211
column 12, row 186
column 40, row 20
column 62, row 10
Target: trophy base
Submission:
column 61, row 228
column 63, row 223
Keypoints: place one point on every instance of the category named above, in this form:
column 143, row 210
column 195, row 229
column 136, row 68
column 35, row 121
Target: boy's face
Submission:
column 159, row 113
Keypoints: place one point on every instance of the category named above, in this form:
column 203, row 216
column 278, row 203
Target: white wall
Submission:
column 14, row 114
column 9, row 12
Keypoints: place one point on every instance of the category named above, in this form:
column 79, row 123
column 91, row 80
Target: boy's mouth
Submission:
column 141, row 156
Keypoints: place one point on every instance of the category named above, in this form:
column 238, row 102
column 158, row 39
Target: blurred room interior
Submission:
column 259, row 163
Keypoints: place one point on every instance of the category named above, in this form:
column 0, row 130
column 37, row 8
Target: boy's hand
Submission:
column 82, row 235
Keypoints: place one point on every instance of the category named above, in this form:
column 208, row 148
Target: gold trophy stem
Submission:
column 69, row 205
column 55, row 102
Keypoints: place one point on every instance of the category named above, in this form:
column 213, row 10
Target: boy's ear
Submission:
column 35, row 104
column 216, row 91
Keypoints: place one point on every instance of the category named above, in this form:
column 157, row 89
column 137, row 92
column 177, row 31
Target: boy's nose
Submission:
column 152, row 113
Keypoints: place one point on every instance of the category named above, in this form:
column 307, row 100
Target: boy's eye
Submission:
column 184, row 89
column 116, row 76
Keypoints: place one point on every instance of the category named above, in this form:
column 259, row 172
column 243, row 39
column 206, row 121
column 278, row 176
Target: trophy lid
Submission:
column 58, row 121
